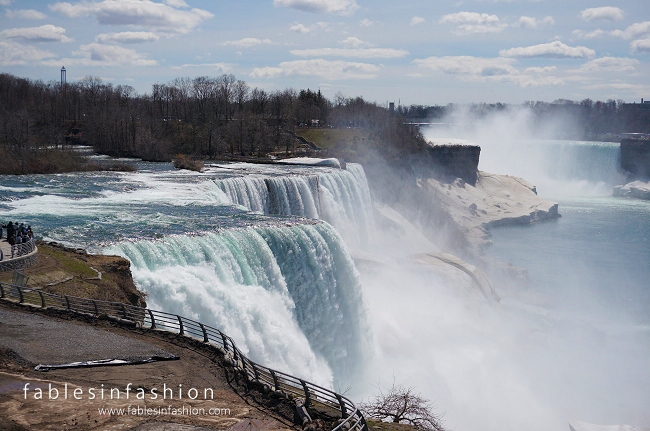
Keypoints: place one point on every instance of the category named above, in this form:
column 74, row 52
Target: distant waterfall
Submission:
column 341, row 197
column 289, row 295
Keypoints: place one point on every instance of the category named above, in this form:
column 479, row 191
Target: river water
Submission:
column 263, row 253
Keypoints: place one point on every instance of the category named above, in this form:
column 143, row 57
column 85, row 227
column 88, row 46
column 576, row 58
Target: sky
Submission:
column 409, row 51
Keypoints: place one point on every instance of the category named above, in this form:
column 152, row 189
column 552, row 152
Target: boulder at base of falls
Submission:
column 584, row 426
column 635, row 189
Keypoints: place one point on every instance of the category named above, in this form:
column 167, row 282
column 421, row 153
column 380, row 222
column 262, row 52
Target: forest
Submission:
column 221, row 117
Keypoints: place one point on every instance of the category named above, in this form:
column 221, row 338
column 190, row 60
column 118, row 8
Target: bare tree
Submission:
column 403, row 405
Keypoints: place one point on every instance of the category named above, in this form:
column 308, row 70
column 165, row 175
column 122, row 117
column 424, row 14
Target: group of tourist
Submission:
column 17, row 235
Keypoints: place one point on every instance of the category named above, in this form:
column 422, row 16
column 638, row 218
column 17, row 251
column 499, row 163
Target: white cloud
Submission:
column 479, row 69
column 5, row 2
column 472, row 22
column 530, row 22
column 545, row 69
column 343, row 7
column 97, row 54
column 610, row 64
column 299, row 28
column 608, row 13
column 221, row 67
column 634, row 31
column 355, row 53
column 365, row 22
column 25, row 14
column 136, row 13
column 44, row 33
column 15, row 54
column 354, row 42
column 590, row 35
column 417, row 20
column 247, row 42
column 176, row 3
column 330, row 70
column 552, row 50
column 128, row 37
column 641, row 45
column 466, row 65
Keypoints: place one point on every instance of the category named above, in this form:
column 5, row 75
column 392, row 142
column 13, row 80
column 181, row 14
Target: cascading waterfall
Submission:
column 289, row 295
column 341, row 197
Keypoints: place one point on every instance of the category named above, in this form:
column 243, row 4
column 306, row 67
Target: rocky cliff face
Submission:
column 635, row 157
column 449, row 162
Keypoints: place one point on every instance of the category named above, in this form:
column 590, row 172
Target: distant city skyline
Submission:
column 419, row 52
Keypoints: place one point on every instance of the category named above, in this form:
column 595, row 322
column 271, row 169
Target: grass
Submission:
column 69, row 264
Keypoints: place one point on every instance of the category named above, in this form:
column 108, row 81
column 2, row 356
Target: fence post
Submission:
column 153, row 321
column 20, row 292
column 180, row 324
column 307, row 395
column 205, row 333
column 2, row 291
column 123, row 311
column 42, row 299
column 255, row 371
column 344, row 411
column 96, row 309
column 225, row 341
column 275, row 380
column 67, row 301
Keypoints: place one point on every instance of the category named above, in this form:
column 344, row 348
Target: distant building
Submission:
column 63, row 76
column 391, row 107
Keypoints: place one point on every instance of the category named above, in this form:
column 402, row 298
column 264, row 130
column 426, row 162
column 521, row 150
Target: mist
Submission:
column 562, row 344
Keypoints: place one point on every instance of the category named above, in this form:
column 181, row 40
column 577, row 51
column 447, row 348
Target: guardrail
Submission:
column 22, row 255
column 315, row 397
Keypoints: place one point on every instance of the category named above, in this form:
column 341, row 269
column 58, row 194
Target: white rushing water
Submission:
column 341, row 197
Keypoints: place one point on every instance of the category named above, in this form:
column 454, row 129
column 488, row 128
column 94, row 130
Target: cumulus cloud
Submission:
column 136, row 13
column 220, row 67
column 545, row 69
column 491, row 69
column 608, row 13
column 610, row 64
column 176, row 3
column 128, row 37
column 472, row 22
column 365, row 22
column 329, row 70
column 417, row 20
column 550, row 50
column 467, row 65
column 589, row 35
column 641, row 45
column 342, row 7
column 247, row 42
column 634, row 31
column 5, row 2
column 44, row 33
column 25, row 14
column 97, row 54
column 530, row 22
column 299, row 28
column 354, row 52
column 354, row 42
column 15, row 54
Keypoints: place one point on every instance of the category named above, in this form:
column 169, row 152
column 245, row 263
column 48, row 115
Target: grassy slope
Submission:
column 68, row 273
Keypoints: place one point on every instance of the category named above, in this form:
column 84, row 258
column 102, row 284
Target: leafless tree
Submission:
column 403, row 405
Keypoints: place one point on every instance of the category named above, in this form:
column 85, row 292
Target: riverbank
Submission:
column 66, row 271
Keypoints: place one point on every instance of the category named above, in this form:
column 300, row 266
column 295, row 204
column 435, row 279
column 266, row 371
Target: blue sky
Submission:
column 420, row 51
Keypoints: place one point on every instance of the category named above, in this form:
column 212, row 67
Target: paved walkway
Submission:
column 41, row 340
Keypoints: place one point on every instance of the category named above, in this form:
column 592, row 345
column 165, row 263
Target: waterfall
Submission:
column 288, row 294
column 341, row 197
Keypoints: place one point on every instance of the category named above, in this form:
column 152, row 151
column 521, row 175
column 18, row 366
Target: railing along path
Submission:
column 315, row 396
column 17, row 256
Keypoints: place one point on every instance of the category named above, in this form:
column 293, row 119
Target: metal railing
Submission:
column 22, row 255
column 315, row 397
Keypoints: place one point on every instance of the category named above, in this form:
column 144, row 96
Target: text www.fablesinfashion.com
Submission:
column 164, row 411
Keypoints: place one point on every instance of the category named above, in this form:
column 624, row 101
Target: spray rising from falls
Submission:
column 289, row 295
column 341, row 197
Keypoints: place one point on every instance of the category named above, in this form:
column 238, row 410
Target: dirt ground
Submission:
column 220, row 401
